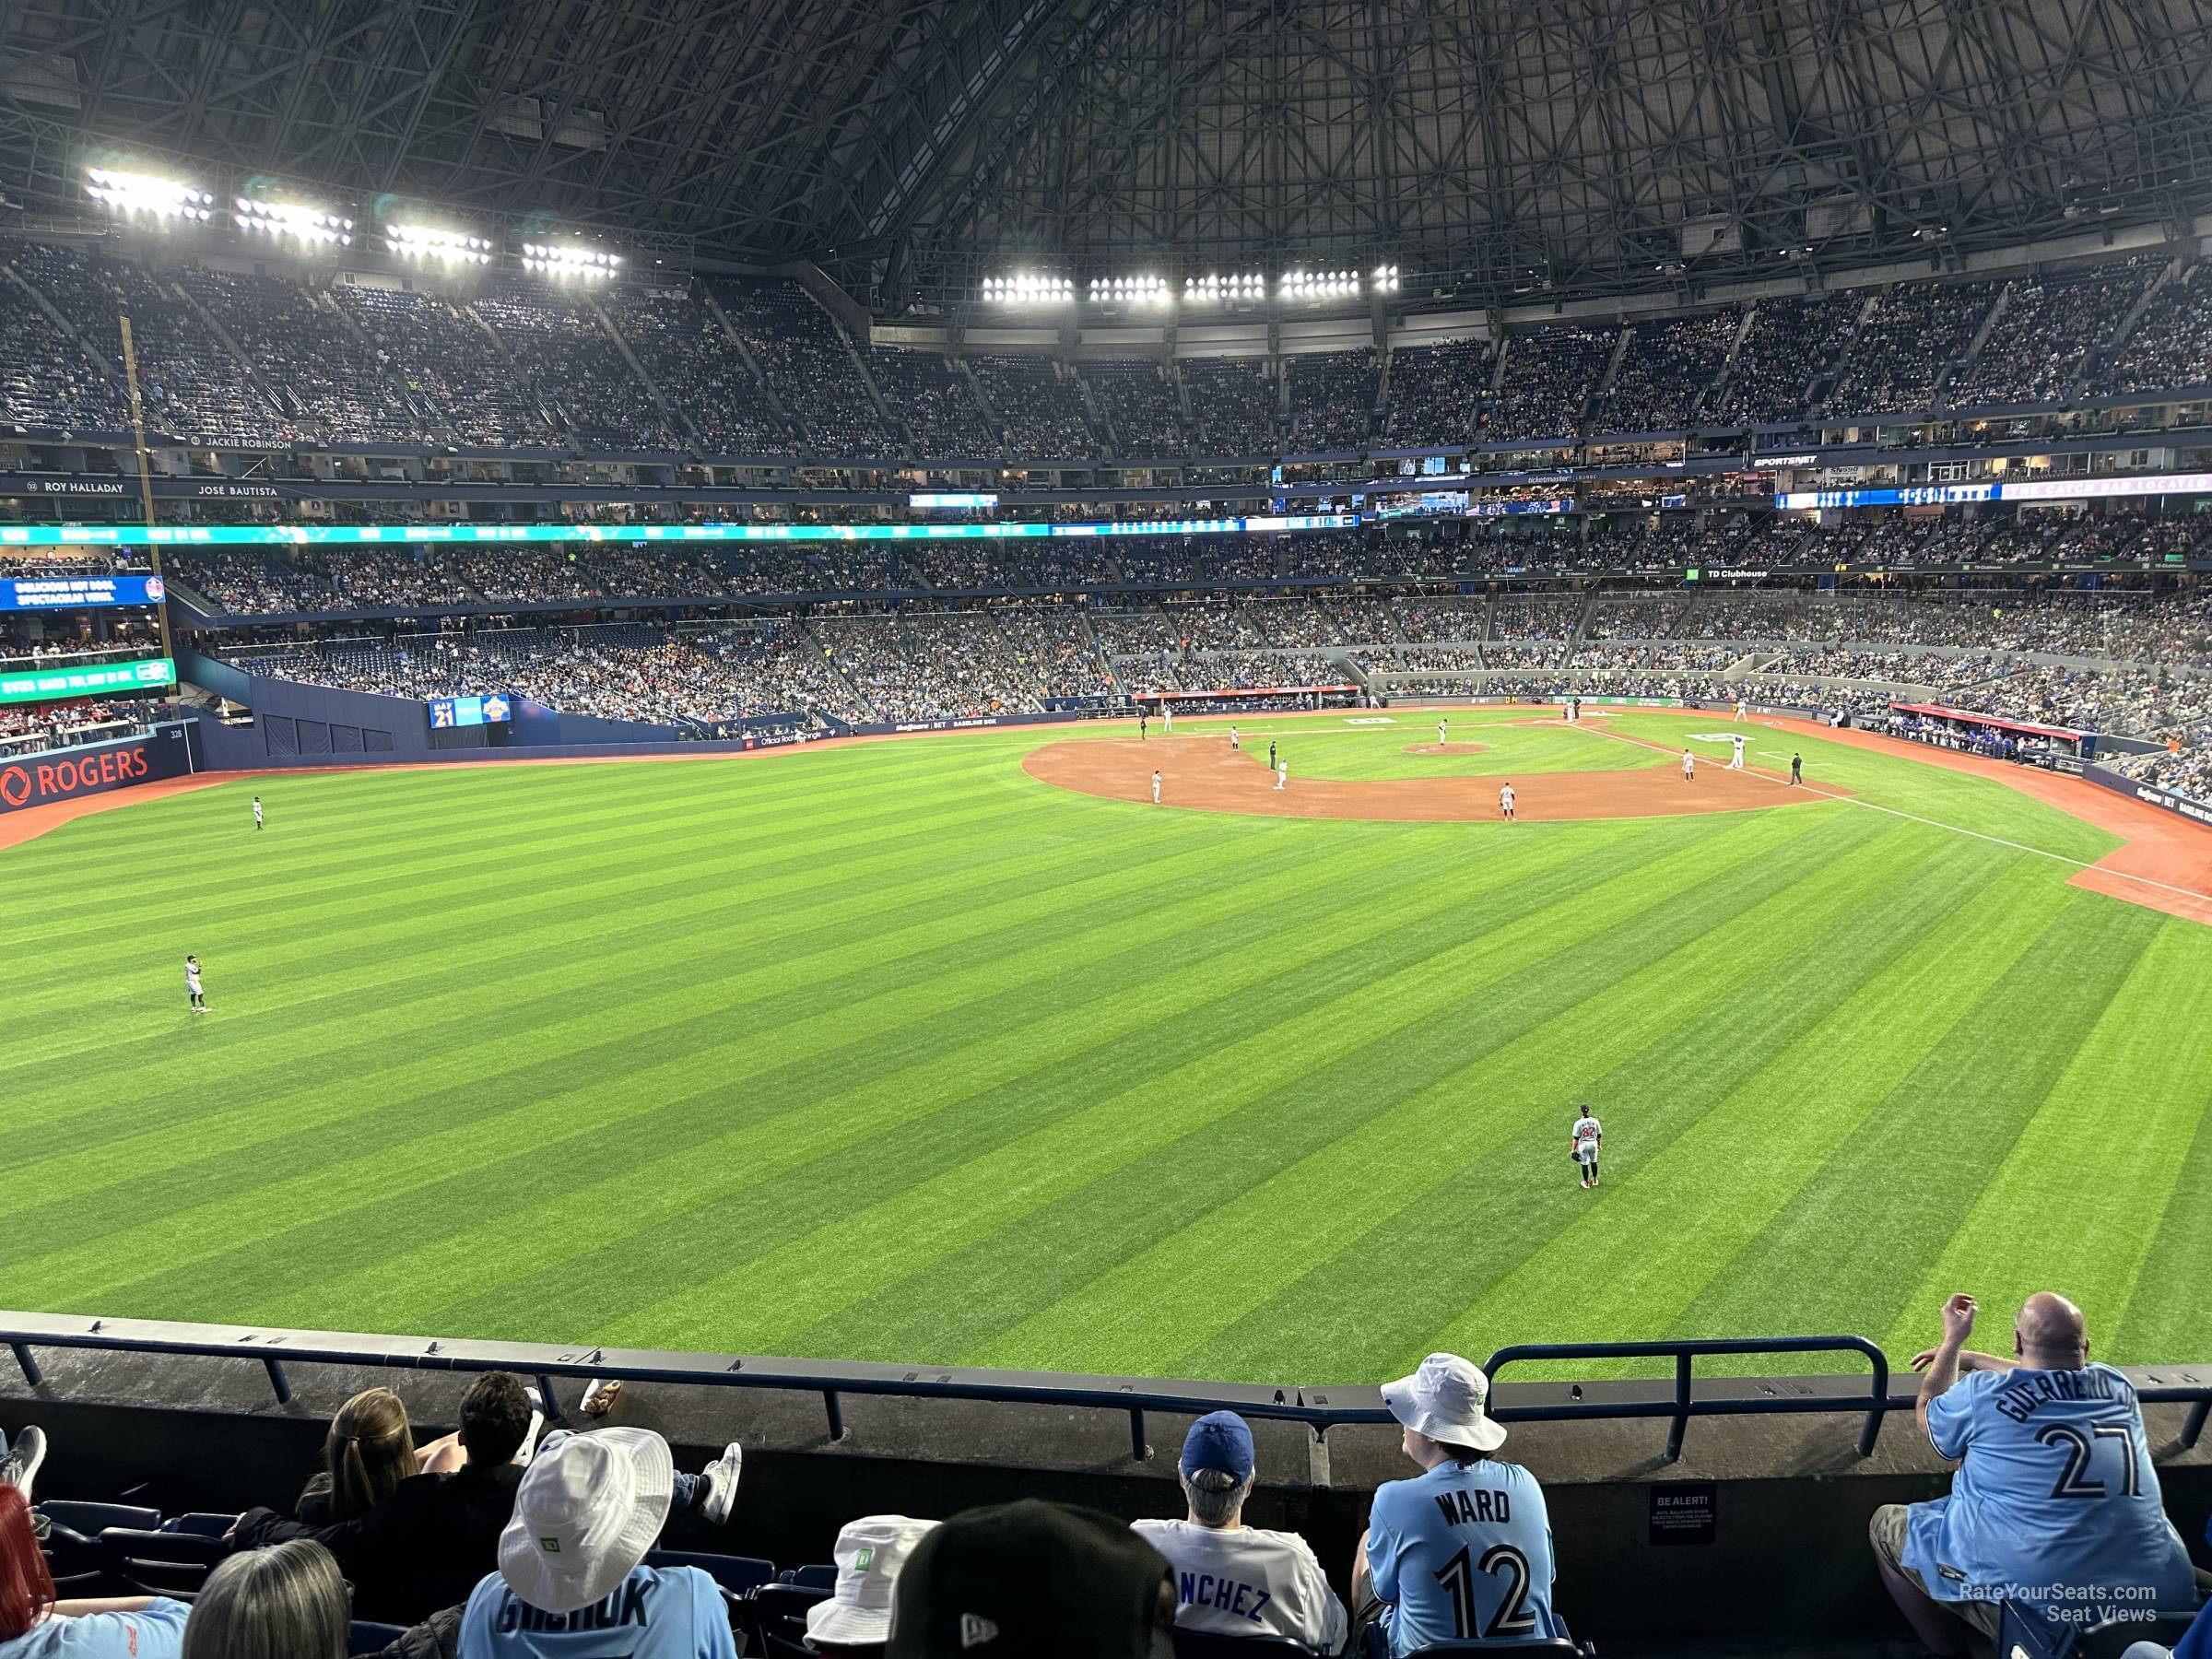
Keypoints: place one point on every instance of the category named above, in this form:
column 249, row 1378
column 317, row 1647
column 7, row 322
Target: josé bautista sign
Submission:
column 37, row 780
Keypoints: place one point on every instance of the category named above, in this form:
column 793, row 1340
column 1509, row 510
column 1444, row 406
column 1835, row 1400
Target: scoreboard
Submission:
column 449, row 713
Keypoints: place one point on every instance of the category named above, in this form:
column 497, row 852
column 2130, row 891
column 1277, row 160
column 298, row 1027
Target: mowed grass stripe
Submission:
column 182, row 841
column 904, row 1074
column 2107, row 1158
column 1667, row 1225
column 1929, row 1147
column 1050, row 1109
column 803, row 1025
column 1391, row 1055
column 785, row 906
column 836, row 1263
column 464, row 894
column 1569, row 1016
column 1506, row 1206
column 2159, row 1327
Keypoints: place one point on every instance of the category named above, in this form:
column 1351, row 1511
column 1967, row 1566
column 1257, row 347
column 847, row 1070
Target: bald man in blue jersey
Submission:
column 2055, row 1503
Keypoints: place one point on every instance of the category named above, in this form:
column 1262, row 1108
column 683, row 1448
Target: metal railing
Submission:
column 1319, row 1408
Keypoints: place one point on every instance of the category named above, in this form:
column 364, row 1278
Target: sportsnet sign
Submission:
column 64, row 775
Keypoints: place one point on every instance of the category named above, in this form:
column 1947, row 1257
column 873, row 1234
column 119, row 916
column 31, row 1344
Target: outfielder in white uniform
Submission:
column 1584, row 1140
column 192, row 984
column 1690, row 767
column 256, row 812
column 1505, row 802
column 1155, row 789
column 1737, row 763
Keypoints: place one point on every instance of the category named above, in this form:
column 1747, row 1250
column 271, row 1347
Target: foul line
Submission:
column 2079, row 863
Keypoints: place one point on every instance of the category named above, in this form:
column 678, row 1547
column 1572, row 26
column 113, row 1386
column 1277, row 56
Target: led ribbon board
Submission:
column 357, row 535
column 45, row 685
column 78, row 593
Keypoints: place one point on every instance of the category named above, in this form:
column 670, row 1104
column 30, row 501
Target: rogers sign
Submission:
column 33, row 783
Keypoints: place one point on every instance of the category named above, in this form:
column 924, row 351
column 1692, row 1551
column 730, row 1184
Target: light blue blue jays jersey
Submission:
column 1463, row 1553
column 2055, row 1503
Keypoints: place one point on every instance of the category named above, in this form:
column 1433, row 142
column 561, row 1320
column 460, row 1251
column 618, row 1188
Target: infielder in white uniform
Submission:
column 1167, row 712
column 1742, row 713
column 1155, row 789
column 1439, row 734
column 1233, row 744
column 1737, row 763
column 1690, row 767
column 1505, row 802
column 1282, row 772
column 1584, row 1140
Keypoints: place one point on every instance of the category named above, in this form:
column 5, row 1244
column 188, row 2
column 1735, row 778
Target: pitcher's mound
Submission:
column 1447, row 748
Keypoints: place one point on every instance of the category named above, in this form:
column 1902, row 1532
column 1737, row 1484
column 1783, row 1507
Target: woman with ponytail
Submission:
column 370, row 1451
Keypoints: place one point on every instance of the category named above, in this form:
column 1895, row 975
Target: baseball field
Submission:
column 958, row 1049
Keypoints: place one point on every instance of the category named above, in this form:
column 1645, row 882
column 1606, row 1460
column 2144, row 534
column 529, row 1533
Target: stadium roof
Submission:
column 1490, row 146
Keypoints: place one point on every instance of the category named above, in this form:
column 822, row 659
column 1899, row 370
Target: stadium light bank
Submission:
column 589, row 265
column 427, row 241
column 144, row 193
column 281, row 219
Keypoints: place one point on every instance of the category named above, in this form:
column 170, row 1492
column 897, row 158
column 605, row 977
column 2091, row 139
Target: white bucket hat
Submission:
column 588, row 1509
column 870, row 1551
column 1447, row 1399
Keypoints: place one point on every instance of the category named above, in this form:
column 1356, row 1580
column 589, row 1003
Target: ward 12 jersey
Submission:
column 1463, row 1553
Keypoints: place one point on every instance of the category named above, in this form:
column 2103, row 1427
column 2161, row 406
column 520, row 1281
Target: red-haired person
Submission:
column 35, row 1626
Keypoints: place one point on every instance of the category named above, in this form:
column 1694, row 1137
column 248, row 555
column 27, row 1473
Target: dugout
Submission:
column 2060, row 748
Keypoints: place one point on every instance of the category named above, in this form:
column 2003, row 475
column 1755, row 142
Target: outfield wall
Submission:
column 51, row 775
column 2150, row 795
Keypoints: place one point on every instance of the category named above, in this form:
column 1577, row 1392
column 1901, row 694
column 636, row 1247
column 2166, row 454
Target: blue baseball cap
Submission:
column 1219, row 1440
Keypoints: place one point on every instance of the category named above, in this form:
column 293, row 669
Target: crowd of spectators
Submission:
column 1057, row 650
column 1902, row 353
column 930, row 393
column 31, row 728
column 1550, row 374
column 1332, row 400
column 1794, row 346
column 462, row 391
column 324, row 374
column 2051, row 326
column 1667, row 373
column 46, row 380
column 2170, row 346
column 1140, row 407
column 806, row 359
column 704, row 378
column 1233, row 407
column 1437, row 393
column 557, row 345
column 1037, row 406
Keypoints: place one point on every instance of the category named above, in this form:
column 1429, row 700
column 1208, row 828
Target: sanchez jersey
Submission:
column 1246, row 1581
column 1463, row 1553
column 2055, row 1500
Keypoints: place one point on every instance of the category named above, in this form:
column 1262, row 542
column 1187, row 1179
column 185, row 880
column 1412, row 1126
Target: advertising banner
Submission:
column 64, row 775
column 92, row 679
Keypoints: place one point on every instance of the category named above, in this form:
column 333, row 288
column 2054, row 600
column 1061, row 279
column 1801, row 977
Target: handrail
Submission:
column 1685, row 1353
column 1319, row 1408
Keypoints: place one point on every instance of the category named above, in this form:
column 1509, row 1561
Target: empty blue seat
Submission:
column 736, row 1574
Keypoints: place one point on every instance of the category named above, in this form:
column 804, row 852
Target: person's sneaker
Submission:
column 537, row 1422
column 20, row 1466
column 600, row 1396
column 718, row 1484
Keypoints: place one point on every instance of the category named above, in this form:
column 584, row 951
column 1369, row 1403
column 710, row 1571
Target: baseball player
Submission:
column 192, row 984
column 1439, row 734
column 1167, row 716
column 1796, row 767
column 1690, row 767
column 1270, row 754
column 1505, row 802
column 1282, row 772
column 1144, row 724
column 256, row 812
column 1234, row 746
column 1155, row 789
column 1584, row 1140
column 1742, row 712
column 1737, row 763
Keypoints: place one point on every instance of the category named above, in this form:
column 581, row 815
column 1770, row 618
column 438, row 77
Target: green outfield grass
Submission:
column 891, row 1052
